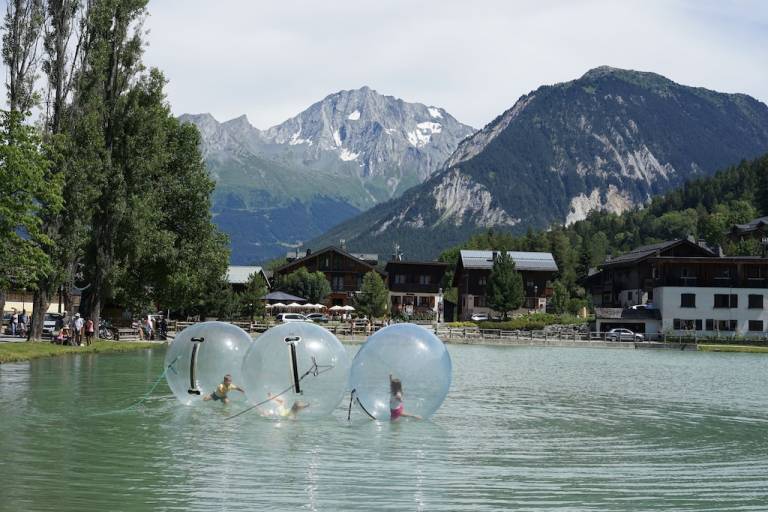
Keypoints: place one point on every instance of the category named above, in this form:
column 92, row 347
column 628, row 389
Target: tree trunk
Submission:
column 40, row 303
column 2, row 305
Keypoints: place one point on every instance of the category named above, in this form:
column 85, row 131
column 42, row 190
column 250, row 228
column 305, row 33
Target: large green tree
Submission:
column 312, row 286
column 373, row 297
column 504, row 291
column 26, row 185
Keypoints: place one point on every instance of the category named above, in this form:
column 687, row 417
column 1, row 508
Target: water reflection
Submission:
column 550, row 429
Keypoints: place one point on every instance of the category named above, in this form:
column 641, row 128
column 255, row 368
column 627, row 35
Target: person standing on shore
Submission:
column 77, row 329
column 23, row 321
column 14, row 322
column 88, row 332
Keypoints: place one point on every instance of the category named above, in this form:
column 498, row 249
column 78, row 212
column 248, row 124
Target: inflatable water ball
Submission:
column 201, row 355
column 297, row 370
column 401, row 370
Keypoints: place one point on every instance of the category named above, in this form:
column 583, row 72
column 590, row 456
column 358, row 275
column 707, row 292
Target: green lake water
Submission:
column 522, row 429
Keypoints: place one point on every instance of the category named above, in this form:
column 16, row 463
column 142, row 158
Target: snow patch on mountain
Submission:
column 421, row 136
column 296, row 139
column 347, row 155
column 435, row 112
column 354, row 116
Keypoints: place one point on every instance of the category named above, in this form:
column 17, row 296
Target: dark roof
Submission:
column 283, row 297
column 644, row 251
column 333, row 248
column 627, row 314
column 751, row 225
column 430, row 263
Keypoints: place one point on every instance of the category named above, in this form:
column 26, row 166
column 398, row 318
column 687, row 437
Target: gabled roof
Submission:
column 531, row 261
column 237, row 274
column 751, row 225
column 298, row 263
column 645, row 251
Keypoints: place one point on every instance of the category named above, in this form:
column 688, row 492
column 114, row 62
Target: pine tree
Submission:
column 373, row 297
column 504, row 291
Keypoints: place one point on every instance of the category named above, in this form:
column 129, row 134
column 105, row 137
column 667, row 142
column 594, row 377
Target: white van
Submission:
column 292, row 317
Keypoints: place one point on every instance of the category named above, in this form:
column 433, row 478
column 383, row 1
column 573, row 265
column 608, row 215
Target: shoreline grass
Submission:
column 25, row 351
column 733, row 348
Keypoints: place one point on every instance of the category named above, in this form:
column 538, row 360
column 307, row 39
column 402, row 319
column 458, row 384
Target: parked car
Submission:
column 292, row 317
column 49, row 323
column 479, row 317
column 319, row 318
column 623, row 335
column 642, row 306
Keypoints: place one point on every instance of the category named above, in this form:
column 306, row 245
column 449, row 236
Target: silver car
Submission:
column 623, row 335
column 292, row 317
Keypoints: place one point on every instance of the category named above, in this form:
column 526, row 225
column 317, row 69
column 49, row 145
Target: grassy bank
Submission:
column 11, row 352
column 732, row 348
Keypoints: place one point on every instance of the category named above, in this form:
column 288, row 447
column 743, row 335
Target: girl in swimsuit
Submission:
column 396, row 406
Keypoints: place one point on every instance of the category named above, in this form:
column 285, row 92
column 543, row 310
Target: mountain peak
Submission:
column 641, row 78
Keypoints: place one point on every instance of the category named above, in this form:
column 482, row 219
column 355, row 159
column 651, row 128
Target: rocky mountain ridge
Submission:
column 347, row 152
column 608, row 140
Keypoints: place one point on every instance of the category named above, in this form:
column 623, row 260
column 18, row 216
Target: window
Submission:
column 756, row 325
column 686, row 325
column 399, row 278
column 755, row 302
column 726, row 301
column 479, row 301
column 710, row 324
column 337, row 283
column 425, row 279
column 481, row 281
column 687, row 300
column 726, row 325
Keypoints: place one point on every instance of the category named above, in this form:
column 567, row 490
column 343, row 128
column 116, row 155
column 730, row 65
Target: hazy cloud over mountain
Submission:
column 272, row 59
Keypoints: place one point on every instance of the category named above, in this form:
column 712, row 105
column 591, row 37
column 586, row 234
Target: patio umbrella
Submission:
column 294, row 305
column 269, row 306
column 315, row 306
column 278, row 305
column 348, row 308
column 336, row 308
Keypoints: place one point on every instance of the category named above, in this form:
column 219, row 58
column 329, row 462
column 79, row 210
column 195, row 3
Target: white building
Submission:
column 689, row 290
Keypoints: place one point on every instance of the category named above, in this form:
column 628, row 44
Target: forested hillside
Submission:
column 703, row 208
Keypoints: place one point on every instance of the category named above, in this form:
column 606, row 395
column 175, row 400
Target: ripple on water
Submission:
column 522, row 428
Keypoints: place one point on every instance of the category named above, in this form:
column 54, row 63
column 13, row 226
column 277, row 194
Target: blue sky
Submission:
column 271, row 59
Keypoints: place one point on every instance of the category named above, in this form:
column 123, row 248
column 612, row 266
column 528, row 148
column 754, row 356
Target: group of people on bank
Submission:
column 73, row 330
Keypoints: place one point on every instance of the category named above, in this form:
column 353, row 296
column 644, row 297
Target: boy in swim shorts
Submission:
column 223, row 389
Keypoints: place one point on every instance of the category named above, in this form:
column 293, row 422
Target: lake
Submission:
column 522, row 428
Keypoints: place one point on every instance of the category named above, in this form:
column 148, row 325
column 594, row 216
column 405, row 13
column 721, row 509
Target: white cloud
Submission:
column 271, row 60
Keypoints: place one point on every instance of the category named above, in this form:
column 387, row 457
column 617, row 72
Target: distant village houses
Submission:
column 538, row 269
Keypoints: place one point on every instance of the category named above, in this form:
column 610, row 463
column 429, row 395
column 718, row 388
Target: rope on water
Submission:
column 148, row 393
column 314, row 370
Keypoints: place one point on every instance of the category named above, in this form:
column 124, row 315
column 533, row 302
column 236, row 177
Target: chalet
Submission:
column 756, row 229
column 237, row 276
column 474, row 267
column 682, row 287
column 415, row 288
column 344, row 271
column 627, row 280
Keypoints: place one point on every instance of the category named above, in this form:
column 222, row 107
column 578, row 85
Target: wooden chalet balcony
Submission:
column 717, row 282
